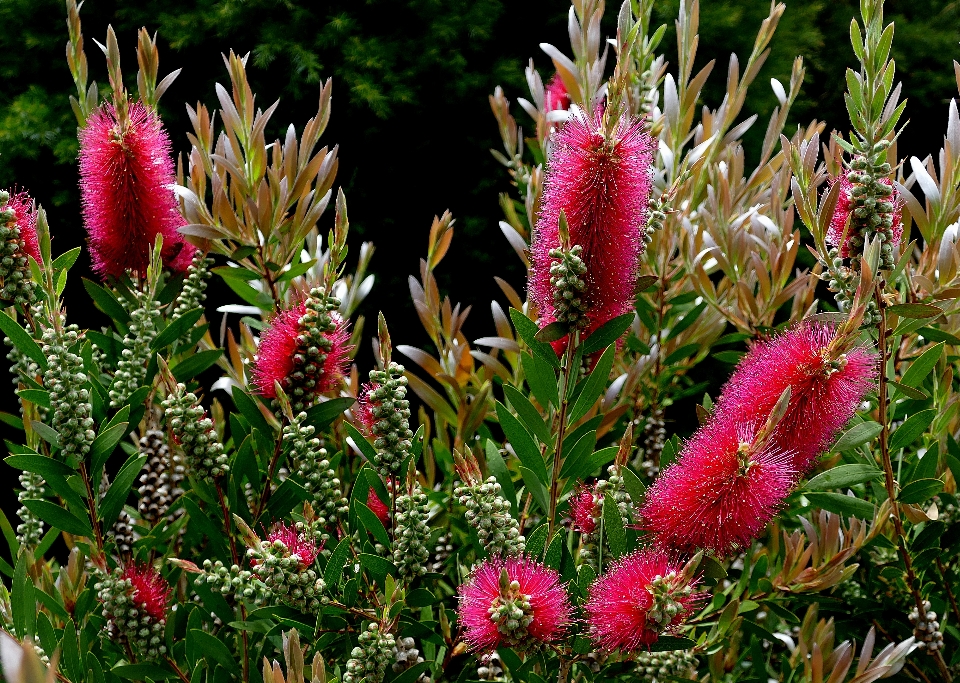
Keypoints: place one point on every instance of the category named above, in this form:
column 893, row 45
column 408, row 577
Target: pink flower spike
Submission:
column 149, row 590
column 25, row 218
column 602, row 187
column 377, row 506
column 844, row 209
column 126, row 174
column 514, row 602
column 825, row 391
column 301, row 546
column 365, row 407
column 555, row 95
column 641, row 597
column 721, row 492
column 584, row 509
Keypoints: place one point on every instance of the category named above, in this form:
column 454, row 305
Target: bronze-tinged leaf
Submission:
column 916, row 311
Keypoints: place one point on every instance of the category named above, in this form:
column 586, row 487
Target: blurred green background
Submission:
column 410, row 112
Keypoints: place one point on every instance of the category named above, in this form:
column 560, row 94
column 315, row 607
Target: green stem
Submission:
column 565, row 376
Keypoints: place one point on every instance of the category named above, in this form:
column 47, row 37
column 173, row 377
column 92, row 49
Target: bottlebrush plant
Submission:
column 535, row 520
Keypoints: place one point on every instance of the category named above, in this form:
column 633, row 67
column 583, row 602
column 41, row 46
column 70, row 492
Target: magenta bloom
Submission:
column 25, row 218
column 825, row 393
column 556, row 95
column 602, row 186
column 149, row 590
column 377, row 506
column 364, row 410
column 125, row 179
column 514, row 602
column 584, row 509
column 640, row 597
column 845, row 206
column 285, row 355
column 298, row 545
column 721, row 492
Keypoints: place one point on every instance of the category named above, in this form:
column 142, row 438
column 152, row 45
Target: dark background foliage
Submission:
column 411, row 79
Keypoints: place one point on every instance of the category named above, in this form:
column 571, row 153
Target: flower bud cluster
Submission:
column 312, row 349
column 16, row 285
column 284, row 563
column 512, row 613
column 843, row 280
column 69, row 398
column 612, row 485
column 313, row 468
column 874, row 203
column 656, row 215
column 135, row 614
column 441, row 553
column 21, row 365
column 30, row 529
column 391, row 413
column 241, row 584
column 926, row 628
column 489, row 513
column 194, row 431
column 491, row 668
column 653, row 438
column 161, row 478
column 566, row 279
column 368, row 661
column 132, row 366
column 406, row 655
column 194, row 285
column 410, row 552
column 657, row 667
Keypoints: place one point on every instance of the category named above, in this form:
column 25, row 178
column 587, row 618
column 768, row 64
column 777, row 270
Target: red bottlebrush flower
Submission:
column 845, row 206
column 284, row 355
column 602, row 187
column 583, row 509
column 721, row 492
column 499, row 588
column 25, row 218
column 826, row 388
column 377, row 506
column 640, row 597
column 364, row 410
column 149, row 590
column 125, row 178
column 556, row 95
column 299, row 545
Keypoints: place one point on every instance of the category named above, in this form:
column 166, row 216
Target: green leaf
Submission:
column 842, row 505
column 22, row 601
column 191, row 366
column 527, row 329
column 296, row 271
column 378, row 566
column 287, row 496
column 105, row 442
column 535, row 487
column 498, row 468
column 613, row 526
column 920, row 490
column 671, row 643
column 249, row 408
column 40, row 397
column 843, row 476
column 421, row 597
column 522, row 442
column 915, row 310
column 634, row 486
column 921, row 367
column 537, row 541
column 554, row 551
column 369, row 452
column 106, row 301
column 936, row 334
column 732, row 357
column 320, row 415
column 857, row 436
column 681, row 353
column 372, row 523
column 23, row 342
column 608, row 333
column 112, row 503
column 336, row 563
column 911, row 392
column 594, row 386
column 70, row 649
column 541, row 379
column 581, row 468
column 176, row 329
column 47, row 433
column 59, row 518
column 687, row 320
column 214, row 648
column 67, row 259
column 529, row 416
column 143, row 672
column 552, row 332
column 911, row 429
column 39, row 464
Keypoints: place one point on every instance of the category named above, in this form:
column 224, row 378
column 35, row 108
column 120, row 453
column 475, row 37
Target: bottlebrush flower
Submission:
column 125, row 176
column 845, row 206
column 149, row 590
column 602, row 186
column 304, row 358
column 514, row 602
column 721, row 492
column 826, row 386
column 295, row 544
column 640, row 597
column 556, row 95
column 365, row 407
column 584, row 509
column 377, row 506
column 25, row 220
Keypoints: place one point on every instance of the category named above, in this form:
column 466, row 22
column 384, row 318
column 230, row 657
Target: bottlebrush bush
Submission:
column 534, row 521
